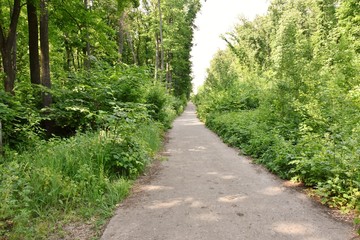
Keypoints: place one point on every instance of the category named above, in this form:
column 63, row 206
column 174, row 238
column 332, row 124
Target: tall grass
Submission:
column 86, row 175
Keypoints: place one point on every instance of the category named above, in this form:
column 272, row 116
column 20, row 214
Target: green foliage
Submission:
column 20, row 121
column 249, row 131
column 286, row 91
column 115, row 117
column 82, row 174
column 79, row 155
column 157, row 97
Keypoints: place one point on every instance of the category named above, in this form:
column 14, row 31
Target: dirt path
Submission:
column 207, row 191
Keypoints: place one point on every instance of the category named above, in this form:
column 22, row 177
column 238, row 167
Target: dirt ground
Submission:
column 206, row 190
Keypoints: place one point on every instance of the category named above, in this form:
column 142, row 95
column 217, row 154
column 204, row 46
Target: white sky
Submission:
column 215, row 18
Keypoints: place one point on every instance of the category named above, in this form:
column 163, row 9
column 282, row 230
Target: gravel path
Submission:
column 207, row 191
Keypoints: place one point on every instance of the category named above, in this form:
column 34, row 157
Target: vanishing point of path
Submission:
column 205, row 190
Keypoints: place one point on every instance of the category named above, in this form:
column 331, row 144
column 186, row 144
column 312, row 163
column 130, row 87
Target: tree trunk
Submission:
column 45, row 58
column 86, row 50
column 33, row 43
column 13, row 56
column 87, row 63
column 139, row 43
column 131, row 45
column 168, row 72
column 8, row 48
column 138, row 52
column 170, row 79
column 10, row 73
column 69, row 58
column 1, row 141
column 121, row 36
column 157, row 57
column 78, row 61
column 167, row 77
column 1, row 64
column 161, row 37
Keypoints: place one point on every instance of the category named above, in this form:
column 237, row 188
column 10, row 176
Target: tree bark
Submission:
column 131, row 45
column 139, row 43
column 161, row 37
column 121, row 36
column 10, row 73
column 68, row 52
column 8, row 48
column 45, row 58
column 168, row 77
column 157, row 60
column 1, row 140
column 33, row 43
column 168, row 72
column 86, row 50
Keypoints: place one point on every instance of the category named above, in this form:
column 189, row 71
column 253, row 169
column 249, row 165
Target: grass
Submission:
column 80, row 179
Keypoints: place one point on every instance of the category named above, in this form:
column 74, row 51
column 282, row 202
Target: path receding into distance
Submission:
column 205, row 190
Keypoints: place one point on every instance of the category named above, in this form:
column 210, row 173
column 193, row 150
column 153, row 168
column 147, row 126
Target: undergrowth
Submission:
column 105, row 133
column 85, row 175
column 315, row 160
column 286, row 91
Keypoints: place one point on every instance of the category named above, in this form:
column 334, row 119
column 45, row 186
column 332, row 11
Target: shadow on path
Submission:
column 207, row 191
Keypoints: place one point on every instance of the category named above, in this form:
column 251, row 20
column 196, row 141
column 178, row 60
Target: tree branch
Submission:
column 72, row 17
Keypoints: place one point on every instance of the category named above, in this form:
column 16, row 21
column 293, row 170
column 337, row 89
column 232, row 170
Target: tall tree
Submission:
column 161, row 42
column 86, row 49
column 122, row 33
column 1, row 140
column 45, row 55
column 8, row 45
column 121, row 23
column 33, row 42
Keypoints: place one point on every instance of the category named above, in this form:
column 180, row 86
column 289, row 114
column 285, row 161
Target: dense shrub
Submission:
column 20, row 122
column 81, row 174
column 114, row 119
column 79, row 100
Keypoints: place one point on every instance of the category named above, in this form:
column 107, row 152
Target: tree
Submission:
column 122, row 33
column 349, row 21
column 86, row 49
column 161, row 39
column 1, row 140
column 45, row 55
column 33, row 42
column 8, row 44
column 301, row 61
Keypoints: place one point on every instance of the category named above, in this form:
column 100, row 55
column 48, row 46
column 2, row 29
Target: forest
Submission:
column 286, row 91
column 88, row 89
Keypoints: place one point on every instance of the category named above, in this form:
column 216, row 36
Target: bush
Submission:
column 114, row 118
column 86, row 174
column 20, row 122
column 303, row 94
column 58, row 176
